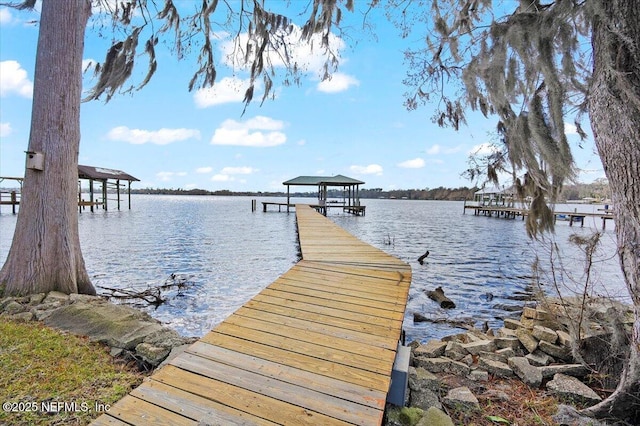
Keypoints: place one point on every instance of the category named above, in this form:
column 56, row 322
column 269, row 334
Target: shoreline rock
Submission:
column 129, row 332
column 536, row 349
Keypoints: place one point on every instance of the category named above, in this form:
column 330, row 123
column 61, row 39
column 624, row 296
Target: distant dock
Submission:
column 513, row 212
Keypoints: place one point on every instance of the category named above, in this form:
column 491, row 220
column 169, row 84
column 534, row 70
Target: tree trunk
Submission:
column 614, row 107
column 45, row 253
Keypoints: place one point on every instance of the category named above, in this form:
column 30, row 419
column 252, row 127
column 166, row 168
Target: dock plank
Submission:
column 316, row 346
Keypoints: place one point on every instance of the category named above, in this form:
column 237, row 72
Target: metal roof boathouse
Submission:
column 350, row 201
column 111, row 182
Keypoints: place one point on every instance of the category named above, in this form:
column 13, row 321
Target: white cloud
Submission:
column 338, row 82
column 204, row 170
column 5, row 16
column 13, row 79
column 302, row 142
column 259, row 131
column 227, row 173
column 371, row 169
column 168, row 176
column 159, row 137
column 416, row 163
column 434, row 150
column 309, row 56
column 5, row 129
column 238, row 170
column 89, row 65
column 570, row 129
column 437, row 149
column 221, row 178
column 483, row 149
column 229, row 89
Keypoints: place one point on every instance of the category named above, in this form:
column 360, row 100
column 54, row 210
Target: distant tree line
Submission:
column 439, row 193
column 599, row 189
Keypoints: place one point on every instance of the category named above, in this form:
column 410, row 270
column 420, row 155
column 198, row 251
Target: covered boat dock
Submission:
column 349, row 200
column 112, row 182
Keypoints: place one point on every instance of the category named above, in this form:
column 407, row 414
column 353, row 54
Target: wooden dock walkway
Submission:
column 315, row 347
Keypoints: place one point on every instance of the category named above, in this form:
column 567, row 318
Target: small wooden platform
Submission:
column 315, row 347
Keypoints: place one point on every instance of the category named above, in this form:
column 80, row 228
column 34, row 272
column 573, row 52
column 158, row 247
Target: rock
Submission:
column 496, row 368
column 455, row 351
column 529, row 313
column 74, row 297
column 539, row 358
column 573, row 389
column 14, row 307
column 527, row 340
column 36, row 299
column 529, row 374
column 511, row 342
column 555, row 351
column 56, row 296
column 494, row 356
column 410, row 415
column 461, row 397
column 116, row 352
column 544, row 333
column 496, row 395
column 22, row 317
column 458, row 368
column 154, row 355
column 165, row 338
column 506, row 353
column 435, row 365
column 116, row 325
column 40, row 314
column 575, row 370
column 419, row 378
column 564, row 339
column 512, row 324
column 506, row 332
column 569, row 416
column 432, row 349
column 479, row 376
column 424, row 399
column 435, row 417
column 403, row 416
column 475, row 348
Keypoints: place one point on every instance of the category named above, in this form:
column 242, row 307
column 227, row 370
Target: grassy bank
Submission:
column 48, row 377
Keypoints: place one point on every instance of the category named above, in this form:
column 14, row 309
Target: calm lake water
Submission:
column 230, row 253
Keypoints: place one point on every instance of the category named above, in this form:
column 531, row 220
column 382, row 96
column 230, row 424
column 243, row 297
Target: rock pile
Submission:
column 127, row 331
column 535, row 349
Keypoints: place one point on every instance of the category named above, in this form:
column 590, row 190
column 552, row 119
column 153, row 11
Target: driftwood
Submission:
column 150, row 295
column 467, row 323
column 438, row 296
column 423, row 257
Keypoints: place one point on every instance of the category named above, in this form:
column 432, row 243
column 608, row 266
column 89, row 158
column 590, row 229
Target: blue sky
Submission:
column 354, row 124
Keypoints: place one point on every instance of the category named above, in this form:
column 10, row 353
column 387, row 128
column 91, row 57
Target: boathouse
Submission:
column 112, row 183
column 349, row 196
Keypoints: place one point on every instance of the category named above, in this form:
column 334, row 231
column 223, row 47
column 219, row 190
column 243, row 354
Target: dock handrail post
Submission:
column 464, row 206
column 14, row 201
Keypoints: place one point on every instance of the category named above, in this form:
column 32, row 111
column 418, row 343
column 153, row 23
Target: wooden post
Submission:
column 118, row 192
column 129, row 195
column 91, row 193
column 104, row 194
column 288, row 202
column 14, row 201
